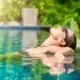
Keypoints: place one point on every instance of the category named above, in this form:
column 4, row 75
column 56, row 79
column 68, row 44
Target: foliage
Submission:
column 12, row 10
column 11, row 58
column 57, row 11
column 78, row 58
column 15, row 59
column 50, row 11
column 64, row 12
column 2, row 58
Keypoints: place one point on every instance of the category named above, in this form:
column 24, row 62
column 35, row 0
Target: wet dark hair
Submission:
column 70, row 41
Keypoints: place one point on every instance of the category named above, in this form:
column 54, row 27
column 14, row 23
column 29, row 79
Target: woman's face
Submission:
column 58, row 36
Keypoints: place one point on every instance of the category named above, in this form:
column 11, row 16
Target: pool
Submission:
column 11, row 42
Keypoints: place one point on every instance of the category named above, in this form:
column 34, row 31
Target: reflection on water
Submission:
column 11, row 42
column 14, row 72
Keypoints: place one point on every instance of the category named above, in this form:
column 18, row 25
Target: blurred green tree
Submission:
column 51, row 12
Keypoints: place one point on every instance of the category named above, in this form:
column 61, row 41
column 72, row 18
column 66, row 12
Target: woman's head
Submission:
column 63, row 37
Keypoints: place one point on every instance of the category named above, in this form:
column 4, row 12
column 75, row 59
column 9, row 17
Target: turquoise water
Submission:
column 13, row 72
column 10, row 42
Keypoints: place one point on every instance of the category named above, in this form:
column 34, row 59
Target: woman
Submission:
column 60, row 62
column 61, row 37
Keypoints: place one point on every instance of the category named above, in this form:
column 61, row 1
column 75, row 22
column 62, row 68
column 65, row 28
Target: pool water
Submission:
column 10, row 42
column 14, row 72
